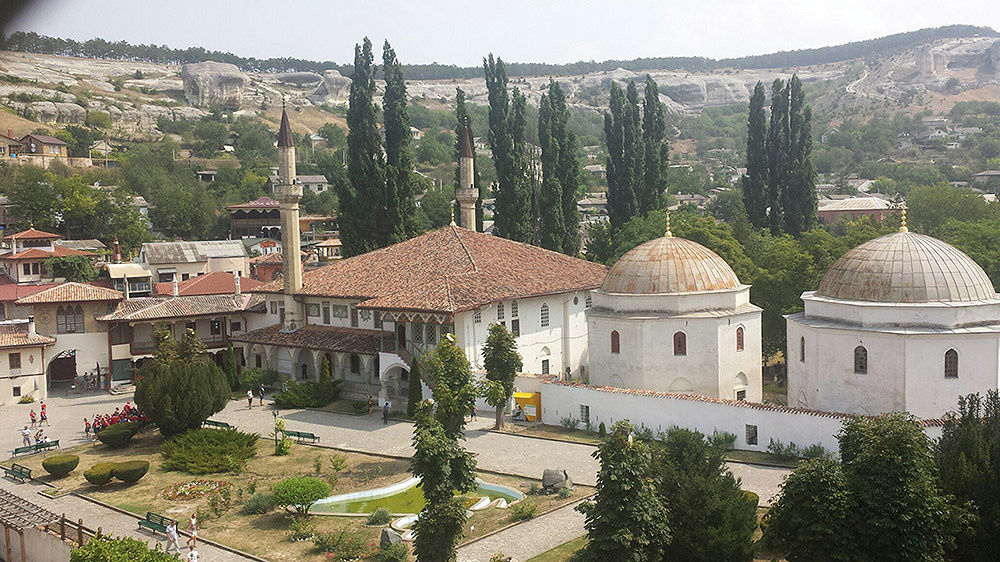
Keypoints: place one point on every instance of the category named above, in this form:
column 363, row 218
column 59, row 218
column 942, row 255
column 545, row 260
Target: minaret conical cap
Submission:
column 285, row 132
column 465, row 150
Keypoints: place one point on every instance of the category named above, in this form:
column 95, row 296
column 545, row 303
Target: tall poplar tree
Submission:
column 550, row 224
column 656, row 150
column 799, row 191
column 777, row 153
column 397, row 220
column 461, row 122
column 360, row 198
column 512, row 219
column 754, row 183
column 621, row 198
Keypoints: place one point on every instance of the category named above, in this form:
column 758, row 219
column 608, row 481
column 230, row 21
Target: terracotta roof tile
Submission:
column 215, row 283
column 15, row 334
column 72, row 292
column 40, row 254
column 324, row 338
column 32, row 234
column 449, row 270
column 158, row 308
column 11, row 291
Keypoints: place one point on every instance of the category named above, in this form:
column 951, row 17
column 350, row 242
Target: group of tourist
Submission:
column 36, row 420
column 40, row 436
column 127, row 413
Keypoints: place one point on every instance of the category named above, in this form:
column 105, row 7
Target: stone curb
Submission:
column 535, row 518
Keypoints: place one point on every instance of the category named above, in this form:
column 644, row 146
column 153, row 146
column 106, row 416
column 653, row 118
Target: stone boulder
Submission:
column 51, row 113
column 994, row 57
column 333, row 88
column 209, row 83
column 300, row 78
column 554, row 480
column 389, row 538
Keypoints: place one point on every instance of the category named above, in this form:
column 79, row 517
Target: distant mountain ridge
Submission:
column 31, row 42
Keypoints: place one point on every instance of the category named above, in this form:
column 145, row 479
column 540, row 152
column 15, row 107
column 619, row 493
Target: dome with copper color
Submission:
column 905, row 267
column 670, row 265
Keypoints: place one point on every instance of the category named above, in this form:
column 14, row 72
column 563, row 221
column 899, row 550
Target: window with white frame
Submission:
column 500, row 311
column 513, row 309
column 545, row 315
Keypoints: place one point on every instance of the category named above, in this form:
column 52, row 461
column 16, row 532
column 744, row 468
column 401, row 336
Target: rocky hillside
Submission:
column 57, row 90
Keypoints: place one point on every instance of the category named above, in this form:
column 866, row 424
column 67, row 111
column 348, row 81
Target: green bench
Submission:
column 36, row 448
column 218, row 424
column 15, row 470
column 302, row 435
column 155, row 522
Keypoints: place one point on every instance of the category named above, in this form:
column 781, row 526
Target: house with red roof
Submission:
column 24, row 260
column 22, row 361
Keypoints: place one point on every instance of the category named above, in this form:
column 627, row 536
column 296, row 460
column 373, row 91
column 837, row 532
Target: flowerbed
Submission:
column 194, row 489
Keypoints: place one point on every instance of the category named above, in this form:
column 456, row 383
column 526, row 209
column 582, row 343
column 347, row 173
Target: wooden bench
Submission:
column 301, row 435
column 15, row 470
column 37, row 447
column 218, row 424
column 155, row 522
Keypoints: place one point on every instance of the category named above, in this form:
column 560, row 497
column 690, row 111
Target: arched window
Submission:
column 513, row 309
column 545, row 315
column 305, row 372
column 69, row 320
column 861, row 360
column 355, row 364
column 951, row 364
column 680, row 344
column 499, row 311
column 802, row 349
column 615, row 342
column 739, row 338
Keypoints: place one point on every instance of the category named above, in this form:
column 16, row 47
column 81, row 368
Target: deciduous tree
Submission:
column 502, row 363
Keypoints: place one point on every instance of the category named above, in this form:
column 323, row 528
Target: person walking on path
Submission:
column 371, row 404
column 475, row 413
column 172, row 537
column 34, row 417
column 192, row 541
column 26, row 436
column 86, row 428
column 45, row 416
column 249, row 400
column 260, row 393
column 385, row 413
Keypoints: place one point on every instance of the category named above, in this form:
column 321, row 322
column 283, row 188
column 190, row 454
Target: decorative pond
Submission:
column 403, row 497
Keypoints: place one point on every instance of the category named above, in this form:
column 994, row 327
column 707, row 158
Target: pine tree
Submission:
column 361, row 198
column 656, row 150
column 754, row 182
column 461, row 122
column 513, row 219
column 397, row 220
column 777, row 154
column 621, row 198
column 550, row 227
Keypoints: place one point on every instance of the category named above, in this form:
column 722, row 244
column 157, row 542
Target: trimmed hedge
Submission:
column 124, row 549
column 60, row 465
column 207, row 451
column 100, row 474
column 308, row 394
column 118, row 435
column 130, row 471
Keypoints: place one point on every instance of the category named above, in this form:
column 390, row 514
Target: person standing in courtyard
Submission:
column 26, row 436
column 192, row 541
column 249, row 400
column 260, row 393
column 34, row 417
column 371, row 404
column 44, row 416
column 385, row 413
column 172, row 537
column 86, row 428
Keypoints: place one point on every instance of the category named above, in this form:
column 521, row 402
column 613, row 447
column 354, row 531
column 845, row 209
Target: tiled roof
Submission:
column 264, row 202
column 15, row 334
column 40, row 254
column 10, row 290
column 856, row 204
column 191, row 252
column 311, row 179
column 85, row 244
column 273, row 257
column 32, row 234
column 72, row 292
column 45, row 139
column 449, row 270
column 325, row 338
column 158, row 308
column 215, row 283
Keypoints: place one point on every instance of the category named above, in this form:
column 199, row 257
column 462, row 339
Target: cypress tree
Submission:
column 415, row 391
column 397, row 220
column 462, row 121
column 656, row 150
column 361, row 197
column 550, row 227
column 621, row 198
column 512, row 219
column 754, row 182
column 799, row 195
column 777, row 154
column 230, row 369
column 633, row 143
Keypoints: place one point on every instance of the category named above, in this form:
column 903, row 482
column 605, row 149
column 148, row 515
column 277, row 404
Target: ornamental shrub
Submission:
column 343, row 546
column 130, row 471
column 60, row 465
column 523, row 511
column 299, row 493
column 181, row 395
column 207, row 451
column 398, row 552
column 253, row 378
column 118, row 435
column 258, row 504
column 100, row 474
column 122, row 549
column 308, row 394
column 380, row 516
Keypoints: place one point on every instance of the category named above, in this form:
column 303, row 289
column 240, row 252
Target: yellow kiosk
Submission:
column 530, row 403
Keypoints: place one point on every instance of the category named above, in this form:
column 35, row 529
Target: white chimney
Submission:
column 236, row 282
column 31, row 327
column 173, row 286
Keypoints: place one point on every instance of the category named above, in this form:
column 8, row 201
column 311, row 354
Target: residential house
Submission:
column 10, row 147
column 987, row 178
column 597, row 170
column 207, row 176
column 317, row 184
column 190, row 259
column 262, row 246
column 216, row 283
column 131, row 279
column 593, row 204
column 329, row 249
column 29, row 249
column 92, row 245
column 22, row 362
column 44, row 145
column 258, row 218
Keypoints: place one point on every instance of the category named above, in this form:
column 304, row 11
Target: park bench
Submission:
column 15, row 470
column 37, row 447
column 301, row 435
column 155, row 522
column 218, row 424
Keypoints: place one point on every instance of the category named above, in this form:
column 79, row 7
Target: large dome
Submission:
column 906, row 267
column 670, row 265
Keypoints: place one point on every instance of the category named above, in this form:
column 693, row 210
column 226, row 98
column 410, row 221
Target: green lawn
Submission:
column 565, row 552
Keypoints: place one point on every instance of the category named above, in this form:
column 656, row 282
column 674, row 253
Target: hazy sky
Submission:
column 450, row 32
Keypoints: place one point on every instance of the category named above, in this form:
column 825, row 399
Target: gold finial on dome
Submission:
column 669, row 234
column 902, row 222
column 453, row 216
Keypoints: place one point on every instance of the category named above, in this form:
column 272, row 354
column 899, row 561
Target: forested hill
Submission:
column 99, row 48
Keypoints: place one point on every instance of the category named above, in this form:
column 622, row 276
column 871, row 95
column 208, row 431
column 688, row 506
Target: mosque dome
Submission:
column 670, row 265
column 905, row 267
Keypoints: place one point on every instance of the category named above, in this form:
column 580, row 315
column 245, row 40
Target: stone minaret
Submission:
column 466, row 192
column 288, row 193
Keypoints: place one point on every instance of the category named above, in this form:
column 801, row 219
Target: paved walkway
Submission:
column 529, row 539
